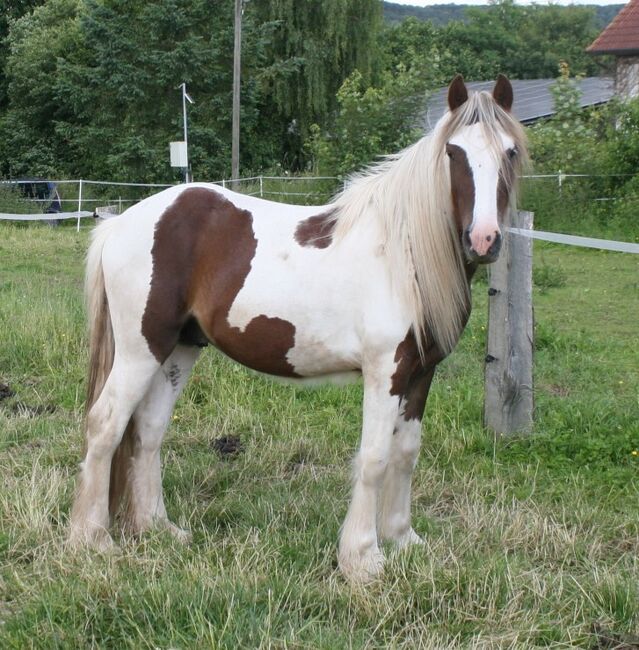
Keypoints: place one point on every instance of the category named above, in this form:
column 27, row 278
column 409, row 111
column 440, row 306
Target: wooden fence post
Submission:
column 508, row 399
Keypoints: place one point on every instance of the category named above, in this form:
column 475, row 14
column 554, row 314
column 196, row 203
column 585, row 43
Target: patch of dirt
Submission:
column 607, row 640
column 20, row 408
column 302, row 458
column 5, row 391
column 228, row 446
column 557, row 390
column 28, row 411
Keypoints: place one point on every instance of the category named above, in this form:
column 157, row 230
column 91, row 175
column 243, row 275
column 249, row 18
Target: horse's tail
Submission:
column 101, row 343
column 101, row 355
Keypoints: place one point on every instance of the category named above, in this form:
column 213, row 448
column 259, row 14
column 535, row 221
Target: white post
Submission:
column 79, row 204
column 186, row 97
column 261, row 186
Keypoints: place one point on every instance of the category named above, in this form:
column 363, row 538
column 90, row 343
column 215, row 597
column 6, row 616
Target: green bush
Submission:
column 371, row 121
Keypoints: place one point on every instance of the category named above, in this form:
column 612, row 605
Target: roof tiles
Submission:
column 533, row 98
column 622, row 34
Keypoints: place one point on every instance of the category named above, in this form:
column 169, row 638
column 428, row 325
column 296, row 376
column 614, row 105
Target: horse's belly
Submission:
column 280, row 346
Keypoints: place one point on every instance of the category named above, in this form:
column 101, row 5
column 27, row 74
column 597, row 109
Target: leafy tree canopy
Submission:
column 92, row 85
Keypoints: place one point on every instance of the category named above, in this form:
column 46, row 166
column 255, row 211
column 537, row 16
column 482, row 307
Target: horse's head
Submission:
column 485, row 146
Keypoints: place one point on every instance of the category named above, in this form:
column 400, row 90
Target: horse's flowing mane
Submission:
column 409, row 194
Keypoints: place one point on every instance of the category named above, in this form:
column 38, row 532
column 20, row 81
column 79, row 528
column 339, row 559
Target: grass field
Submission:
column 529, row 542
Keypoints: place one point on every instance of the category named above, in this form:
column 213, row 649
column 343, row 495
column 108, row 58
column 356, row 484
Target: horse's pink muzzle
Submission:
column 482, row 244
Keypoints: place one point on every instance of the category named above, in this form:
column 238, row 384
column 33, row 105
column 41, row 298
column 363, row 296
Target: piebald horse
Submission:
column 374, row 284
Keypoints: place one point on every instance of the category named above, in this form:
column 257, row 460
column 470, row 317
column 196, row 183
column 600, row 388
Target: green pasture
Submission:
column 530, row 542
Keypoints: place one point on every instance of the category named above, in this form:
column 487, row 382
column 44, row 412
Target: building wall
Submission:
column 627, row 77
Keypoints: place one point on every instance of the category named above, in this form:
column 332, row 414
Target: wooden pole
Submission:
column 235, row 129
column 508, row 400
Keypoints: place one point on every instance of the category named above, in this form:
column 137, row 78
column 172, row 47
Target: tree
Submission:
column 310, row 48
column 94, row 89
column 37, row 41
column 371, row 121
column 10, row 10
column 524, row 42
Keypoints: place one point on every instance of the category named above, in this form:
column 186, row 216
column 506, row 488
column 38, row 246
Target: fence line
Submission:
column 262, row 191
column 575, row 240
column 47, row 216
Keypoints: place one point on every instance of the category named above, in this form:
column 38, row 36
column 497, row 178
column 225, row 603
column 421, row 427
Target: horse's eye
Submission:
column 512, row 153
column 449, row 152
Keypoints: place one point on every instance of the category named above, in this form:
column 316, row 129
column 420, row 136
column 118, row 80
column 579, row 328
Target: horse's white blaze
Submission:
column 485, row 167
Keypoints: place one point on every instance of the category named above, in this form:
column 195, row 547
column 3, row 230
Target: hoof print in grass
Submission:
column 5, row 391
column 228, row 446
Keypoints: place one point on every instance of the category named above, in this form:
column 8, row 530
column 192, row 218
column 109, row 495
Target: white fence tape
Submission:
column 45, row 217
column 574, row 240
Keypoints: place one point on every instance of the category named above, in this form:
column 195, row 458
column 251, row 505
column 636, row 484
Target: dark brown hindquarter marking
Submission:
column 316, row 231
column 202, row 253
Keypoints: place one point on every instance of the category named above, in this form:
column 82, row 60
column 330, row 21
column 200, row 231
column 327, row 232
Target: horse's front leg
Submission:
column 360, row 558
column 395, row 516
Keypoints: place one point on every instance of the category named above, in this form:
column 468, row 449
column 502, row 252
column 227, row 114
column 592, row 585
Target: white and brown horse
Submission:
column 375, row 284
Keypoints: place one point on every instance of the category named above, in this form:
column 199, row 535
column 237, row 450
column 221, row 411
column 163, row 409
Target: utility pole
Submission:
column 235, row 129
column 185, row 97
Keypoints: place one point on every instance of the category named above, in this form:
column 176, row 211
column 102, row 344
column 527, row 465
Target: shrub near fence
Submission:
column 581, row 205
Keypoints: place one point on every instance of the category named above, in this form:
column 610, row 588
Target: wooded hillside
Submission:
column 441, row 14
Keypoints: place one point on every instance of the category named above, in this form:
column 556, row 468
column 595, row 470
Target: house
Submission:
column 621, row 39
column 533, row 99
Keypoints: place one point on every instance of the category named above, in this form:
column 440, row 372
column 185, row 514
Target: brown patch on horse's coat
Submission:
column 316, row 231
column 412, row 377
column 202, row 253
column 262, row 345
column 461, row 183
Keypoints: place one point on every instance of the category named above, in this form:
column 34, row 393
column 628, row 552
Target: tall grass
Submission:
column 530, row 542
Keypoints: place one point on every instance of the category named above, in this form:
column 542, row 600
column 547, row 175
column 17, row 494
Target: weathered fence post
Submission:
column 79, row 204
column 508, row 400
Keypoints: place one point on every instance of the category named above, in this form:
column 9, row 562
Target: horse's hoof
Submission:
column 361, row 569
column 96, row 539
column 180, row 534
column 409, row 538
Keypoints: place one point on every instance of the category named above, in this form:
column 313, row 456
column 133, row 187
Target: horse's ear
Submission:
column 457, row 93
column 503, row 92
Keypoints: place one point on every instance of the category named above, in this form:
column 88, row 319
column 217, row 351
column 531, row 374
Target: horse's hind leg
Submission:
column 145, row 503
column 107, row 420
